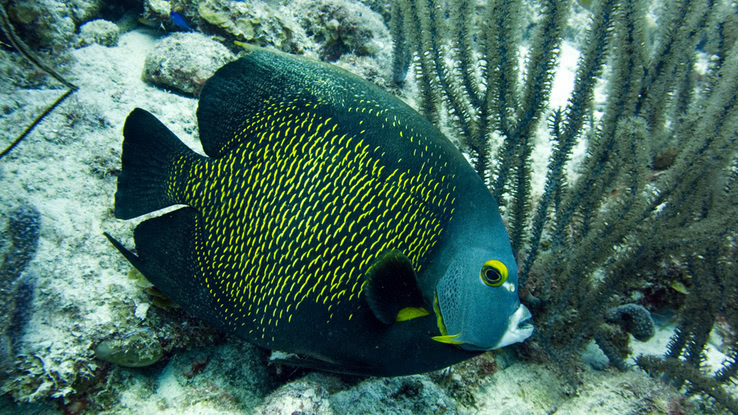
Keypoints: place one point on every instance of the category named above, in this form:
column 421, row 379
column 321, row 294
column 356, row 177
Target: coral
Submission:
column 401, row 55
column 24, row 224
column 682, row 365
column 233, row 376
column 127, row 21
column 37, row 377
column 598, row 233
column 382, row 7
column 98, row 31
column 184, row 61
column 675, row 370
column 612, row 334
column 634, row 319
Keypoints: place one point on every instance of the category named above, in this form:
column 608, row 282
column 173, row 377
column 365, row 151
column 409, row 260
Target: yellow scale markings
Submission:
column 329, row 166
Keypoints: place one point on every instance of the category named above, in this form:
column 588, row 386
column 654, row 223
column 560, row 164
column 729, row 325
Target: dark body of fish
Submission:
column 315, row 184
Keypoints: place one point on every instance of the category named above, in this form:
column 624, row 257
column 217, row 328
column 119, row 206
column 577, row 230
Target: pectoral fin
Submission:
column 448, row 339
column 391, row 286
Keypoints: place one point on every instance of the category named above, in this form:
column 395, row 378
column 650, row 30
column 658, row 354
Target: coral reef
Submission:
column 157, row 10
column 402, row 395
column 612, row 335
column 318, row 393
column 460, row 380
column 8, row 30
column 233, row 375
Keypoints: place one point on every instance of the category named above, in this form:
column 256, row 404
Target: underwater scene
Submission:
column 369, row 207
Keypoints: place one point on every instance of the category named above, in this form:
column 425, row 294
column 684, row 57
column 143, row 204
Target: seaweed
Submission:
column 586, row 246
column 7, row 29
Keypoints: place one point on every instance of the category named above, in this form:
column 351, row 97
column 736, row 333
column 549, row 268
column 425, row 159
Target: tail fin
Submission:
column 149, row 151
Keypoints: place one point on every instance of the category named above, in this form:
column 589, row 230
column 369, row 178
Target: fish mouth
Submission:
column 519, row 328
column 522, row 320
column 526, row 324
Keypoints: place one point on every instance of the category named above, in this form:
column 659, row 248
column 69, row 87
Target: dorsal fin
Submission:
column 391, row 286
column 252, row 88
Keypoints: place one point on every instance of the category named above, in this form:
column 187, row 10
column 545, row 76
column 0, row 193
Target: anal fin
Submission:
column 166, row 256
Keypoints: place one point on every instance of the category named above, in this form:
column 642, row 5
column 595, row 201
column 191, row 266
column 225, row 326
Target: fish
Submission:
column 327, row 220
column 179, row 21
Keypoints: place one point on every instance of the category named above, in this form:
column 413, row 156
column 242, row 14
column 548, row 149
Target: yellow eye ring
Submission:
column 494, row 273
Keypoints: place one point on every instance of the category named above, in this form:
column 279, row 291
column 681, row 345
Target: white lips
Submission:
column 518, row 329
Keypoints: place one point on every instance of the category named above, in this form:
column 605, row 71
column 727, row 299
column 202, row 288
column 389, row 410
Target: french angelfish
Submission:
column 329, row 221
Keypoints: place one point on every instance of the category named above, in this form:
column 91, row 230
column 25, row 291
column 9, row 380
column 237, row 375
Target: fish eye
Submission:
column 494, row 273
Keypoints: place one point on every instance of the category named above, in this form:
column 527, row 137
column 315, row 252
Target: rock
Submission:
column 136, row 349
column 51, row 23
column 98, row 31
column 230, row 379
column 342, row 27
column 256, row 22
column 404, row 395
column 184, row 61
column 302, row 396
column 157, row 9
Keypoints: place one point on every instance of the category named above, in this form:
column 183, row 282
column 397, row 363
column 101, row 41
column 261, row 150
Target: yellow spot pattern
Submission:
column 297, row 211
